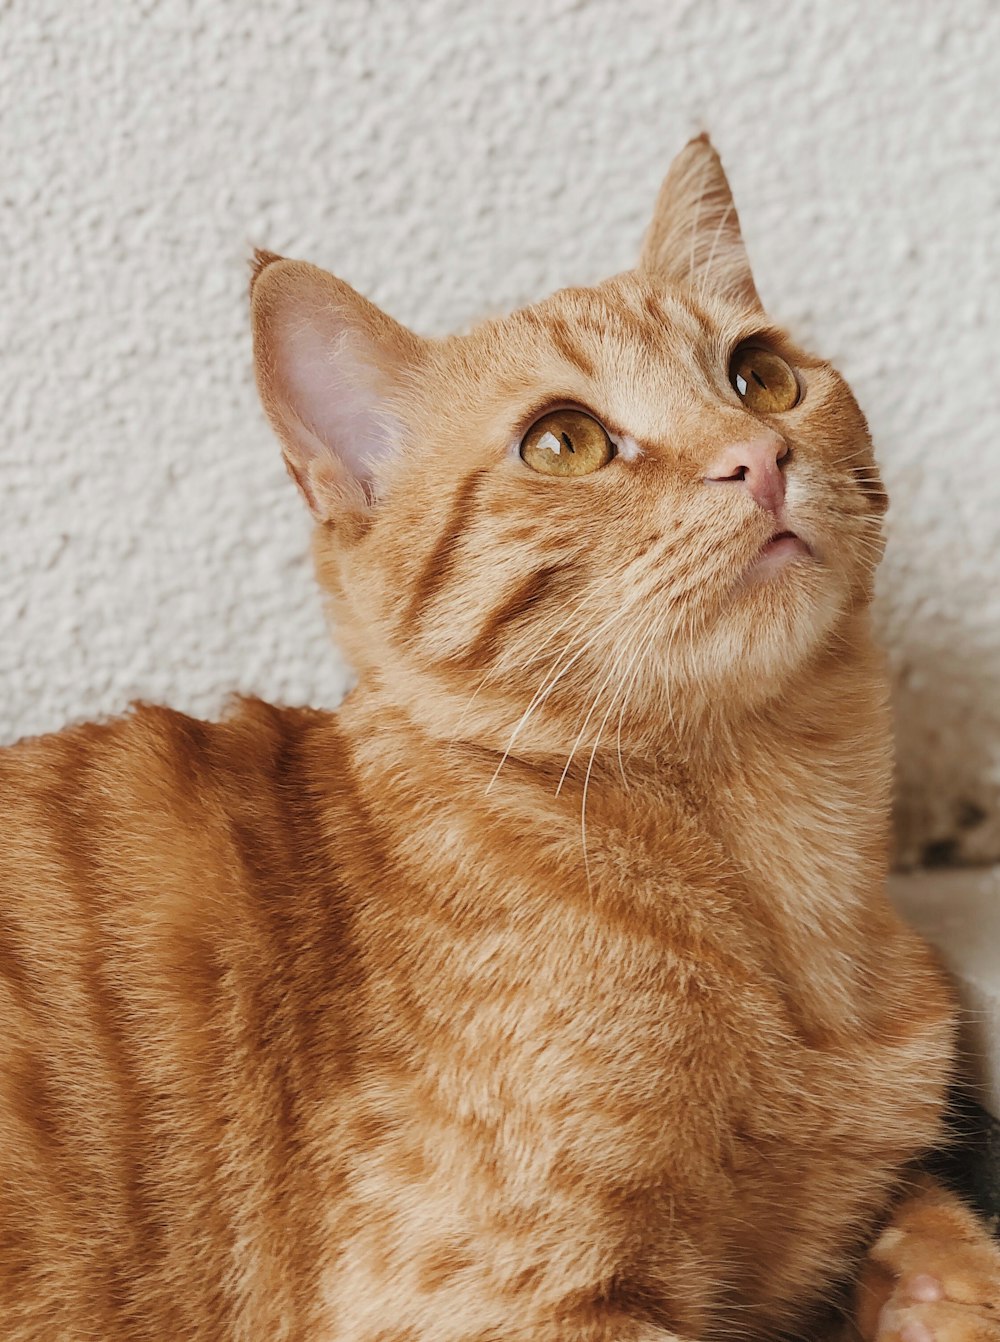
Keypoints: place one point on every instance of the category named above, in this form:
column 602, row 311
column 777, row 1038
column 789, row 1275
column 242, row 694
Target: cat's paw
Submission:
column 942, row 1274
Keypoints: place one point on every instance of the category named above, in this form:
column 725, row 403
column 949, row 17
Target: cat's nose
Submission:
column 755, row 465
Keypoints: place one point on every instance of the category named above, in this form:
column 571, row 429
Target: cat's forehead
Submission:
column 628, row 308
column 635, row 352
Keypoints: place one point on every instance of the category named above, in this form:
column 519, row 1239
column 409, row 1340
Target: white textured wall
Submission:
column 448, row 158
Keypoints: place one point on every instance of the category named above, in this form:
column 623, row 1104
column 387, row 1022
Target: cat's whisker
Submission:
column 646, row 640
column 545, row 689
column 681, row 628
column 639, row 601
column 592, row 592
column 586, row 721
column 593, row 755
column 866, row 546
column 508, row 659
column 548, row 686
column 852, row 456
column 491, row 674
column 507, row 663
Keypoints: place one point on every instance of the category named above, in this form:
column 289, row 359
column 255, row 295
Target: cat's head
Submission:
column 643, row 489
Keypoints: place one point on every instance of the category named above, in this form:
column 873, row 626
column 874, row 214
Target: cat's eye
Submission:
column 566, row 442
column 763, row 381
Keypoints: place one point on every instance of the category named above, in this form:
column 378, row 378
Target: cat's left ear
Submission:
column 694, row 239
column 331, row 369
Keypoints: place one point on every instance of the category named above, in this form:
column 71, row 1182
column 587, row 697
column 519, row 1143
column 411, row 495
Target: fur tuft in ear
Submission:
column 330, row 366
column 695, row 237
column 258, row 261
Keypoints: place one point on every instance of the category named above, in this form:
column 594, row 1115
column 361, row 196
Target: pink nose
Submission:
column 754, row 465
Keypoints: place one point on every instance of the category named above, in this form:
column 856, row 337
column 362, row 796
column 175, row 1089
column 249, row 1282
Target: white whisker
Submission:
column 549, row 684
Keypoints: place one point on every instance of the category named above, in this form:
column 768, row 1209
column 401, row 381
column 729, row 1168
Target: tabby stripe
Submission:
column 526, row 594
column 562, row 337
column 14, row 972
column 438, row 566
column 81, row 835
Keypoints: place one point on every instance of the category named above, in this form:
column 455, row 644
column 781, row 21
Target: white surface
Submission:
column 449, row 158
column 959, row 913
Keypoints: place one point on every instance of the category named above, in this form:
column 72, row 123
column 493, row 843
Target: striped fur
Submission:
column 546, row 991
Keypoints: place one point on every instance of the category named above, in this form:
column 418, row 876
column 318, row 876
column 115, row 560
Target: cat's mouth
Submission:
column 782, row 548
column 786, row 542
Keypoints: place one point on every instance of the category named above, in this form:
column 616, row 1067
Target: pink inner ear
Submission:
column 332, row 386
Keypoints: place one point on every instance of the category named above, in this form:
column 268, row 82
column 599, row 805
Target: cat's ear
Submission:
column 695, row 237
column 329, row 368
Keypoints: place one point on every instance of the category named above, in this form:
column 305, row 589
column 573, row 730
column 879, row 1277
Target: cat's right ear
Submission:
column 330, row 366
column 694, row 239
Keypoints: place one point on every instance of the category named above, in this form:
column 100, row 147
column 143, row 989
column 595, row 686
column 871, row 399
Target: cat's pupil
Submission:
column 569, row 445
column 759, row 380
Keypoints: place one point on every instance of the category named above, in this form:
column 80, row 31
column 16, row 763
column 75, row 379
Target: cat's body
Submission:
column 351, row 1062
column 436, row 1019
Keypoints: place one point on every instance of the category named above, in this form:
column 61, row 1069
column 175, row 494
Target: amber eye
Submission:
column 763, row 381
column 566, row 442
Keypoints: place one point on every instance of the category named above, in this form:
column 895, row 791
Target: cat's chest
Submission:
column 756, row 972
column 678, row 954
column 614, row 1053
column 800, row 1038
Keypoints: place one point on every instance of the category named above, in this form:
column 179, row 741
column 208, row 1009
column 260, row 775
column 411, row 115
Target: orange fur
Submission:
column 548, row 990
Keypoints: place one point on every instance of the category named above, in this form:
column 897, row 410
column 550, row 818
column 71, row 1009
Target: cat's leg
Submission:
column 933, row 1275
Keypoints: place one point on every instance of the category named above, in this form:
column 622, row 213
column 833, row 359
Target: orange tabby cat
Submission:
column 548, row 990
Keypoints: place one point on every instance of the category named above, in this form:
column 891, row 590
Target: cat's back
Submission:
column 158, row 817
column 175, row 911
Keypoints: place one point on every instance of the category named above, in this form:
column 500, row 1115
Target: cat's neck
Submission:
column 789, row 802
column 827, row 718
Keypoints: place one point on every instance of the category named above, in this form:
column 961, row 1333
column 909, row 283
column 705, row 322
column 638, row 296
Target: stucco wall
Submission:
column 449, row 158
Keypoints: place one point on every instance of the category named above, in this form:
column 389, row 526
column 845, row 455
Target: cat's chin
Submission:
column 782, row 612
